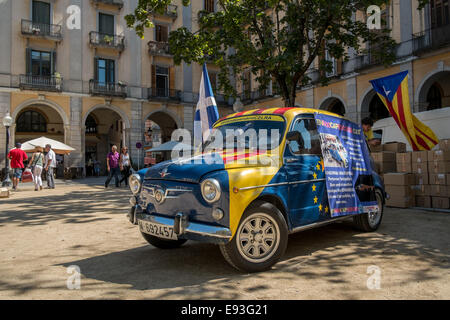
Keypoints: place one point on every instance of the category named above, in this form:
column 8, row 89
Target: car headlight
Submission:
column 210, row 190
column 135, row 183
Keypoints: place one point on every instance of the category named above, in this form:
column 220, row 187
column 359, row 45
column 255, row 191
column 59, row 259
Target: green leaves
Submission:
column 284, row 40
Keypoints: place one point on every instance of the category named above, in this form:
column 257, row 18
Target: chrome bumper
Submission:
column 186, row 229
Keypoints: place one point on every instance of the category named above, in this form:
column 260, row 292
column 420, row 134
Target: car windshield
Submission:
column 249, row 132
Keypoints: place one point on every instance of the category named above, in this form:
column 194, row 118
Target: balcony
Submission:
column 164, row 94
column 41, row 30
column 431, row 39
column 171, row 11
column 117, row 3
column 248, row 97
column 156, row 48
column 102, row 40
column 41, row 83
column 98, row 88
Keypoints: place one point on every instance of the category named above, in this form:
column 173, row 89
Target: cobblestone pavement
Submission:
column 80, row 223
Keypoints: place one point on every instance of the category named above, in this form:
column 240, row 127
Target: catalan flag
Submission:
column 393, row 91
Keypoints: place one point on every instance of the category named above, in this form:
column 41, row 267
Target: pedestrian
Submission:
column 17, row 156
column 37, row 163
column 367, row 124
column 97, row 167
column 125, row 165
column 112, row 164
column 50, row 164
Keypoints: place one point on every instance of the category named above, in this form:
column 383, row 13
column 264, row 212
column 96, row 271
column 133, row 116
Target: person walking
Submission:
column 112, row 164
column 17, row 156
column 37, row 163
column 125, row 165
column 50, row 164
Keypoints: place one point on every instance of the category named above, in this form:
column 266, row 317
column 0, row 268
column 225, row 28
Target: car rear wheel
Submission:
column 260, row 240
column 163, row 243
column 370, row 221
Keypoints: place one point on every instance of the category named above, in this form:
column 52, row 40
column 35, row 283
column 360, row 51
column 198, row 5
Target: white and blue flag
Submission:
column 206, row 112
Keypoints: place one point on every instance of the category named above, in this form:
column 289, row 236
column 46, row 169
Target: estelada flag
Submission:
column 393, row 91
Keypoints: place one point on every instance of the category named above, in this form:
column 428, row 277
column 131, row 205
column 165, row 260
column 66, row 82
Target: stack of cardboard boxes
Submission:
column 422, row 178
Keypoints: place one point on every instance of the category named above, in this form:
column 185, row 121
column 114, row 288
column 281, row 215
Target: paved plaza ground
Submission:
column 80, row 223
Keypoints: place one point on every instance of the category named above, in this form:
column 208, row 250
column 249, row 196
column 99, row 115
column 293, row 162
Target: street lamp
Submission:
column 7, row 122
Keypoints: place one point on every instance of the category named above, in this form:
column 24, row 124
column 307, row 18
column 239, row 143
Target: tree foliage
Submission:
column 275, row 39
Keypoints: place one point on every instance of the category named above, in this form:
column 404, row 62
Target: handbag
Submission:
column 27, row 176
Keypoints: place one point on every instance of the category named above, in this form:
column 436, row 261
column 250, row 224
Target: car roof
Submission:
column 289, row 112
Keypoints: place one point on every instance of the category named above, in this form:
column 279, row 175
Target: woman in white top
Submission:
column 125, row 165
column 37, row 162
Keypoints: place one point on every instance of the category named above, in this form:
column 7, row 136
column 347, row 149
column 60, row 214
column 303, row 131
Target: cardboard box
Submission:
column 420, row 168
column 439, row 166
column 438, row 190
column 422, row 190
column 404, row 167
column 394, row 147
column 423, row 201
column 419, row 156
column 439, row 155
column 399, row 179
column 444, row 144
column 403, row 157
column 384, row 156
column 440, row 202
column 438, row 178
column 377, row 148
column 386, row 167
column 404, row 202
column 421, row 178
column 399, row 191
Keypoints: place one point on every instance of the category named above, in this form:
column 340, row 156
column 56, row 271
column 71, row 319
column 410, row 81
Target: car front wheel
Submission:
column 260, row 239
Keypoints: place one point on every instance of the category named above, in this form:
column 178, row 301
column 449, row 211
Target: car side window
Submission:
column 309, row 141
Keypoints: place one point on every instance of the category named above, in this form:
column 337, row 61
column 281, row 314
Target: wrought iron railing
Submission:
column 118, row 3
column 431, row 39
column 107, row 40
column 41, row 29
column 107, row 88
column 45, row 83
column 171, row 11
column 164, row 93
column 157, row 48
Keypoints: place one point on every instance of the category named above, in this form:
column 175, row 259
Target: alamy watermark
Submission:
column 374, row 280
column 74, row 280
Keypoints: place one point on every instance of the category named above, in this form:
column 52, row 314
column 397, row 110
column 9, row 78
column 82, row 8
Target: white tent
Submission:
column 57, row 147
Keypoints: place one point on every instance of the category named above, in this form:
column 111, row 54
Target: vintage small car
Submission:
column 248, row 209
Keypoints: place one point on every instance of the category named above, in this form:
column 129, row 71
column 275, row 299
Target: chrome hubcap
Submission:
column 258, row 237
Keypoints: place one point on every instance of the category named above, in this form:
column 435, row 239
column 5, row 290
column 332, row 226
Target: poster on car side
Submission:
column 348, row 171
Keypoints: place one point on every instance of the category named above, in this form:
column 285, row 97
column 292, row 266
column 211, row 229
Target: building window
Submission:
column 247, row 85
column 41, row 12
column 162, row 33
column 213, row 80
column 91, row 125
column 162, row 81
column 440, row 13
column 31, row 121
column 377, row 109
column 41, row 63
column 106, row 24
column 434, row 97
column 105, row 70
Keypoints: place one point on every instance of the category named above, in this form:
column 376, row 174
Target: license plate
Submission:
column 157, row 230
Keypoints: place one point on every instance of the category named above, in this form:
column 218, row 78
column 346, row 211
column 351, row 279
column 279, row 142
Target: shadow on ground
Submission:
column 73, row 207
column 202, row 266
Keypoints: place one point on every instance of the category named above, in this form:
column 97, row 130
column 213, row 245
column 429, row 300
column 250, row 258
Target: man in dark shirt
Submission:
column 17, row 156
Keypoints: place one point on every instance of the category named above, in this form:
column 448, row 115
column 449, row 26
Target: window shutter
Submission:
column 171, row 78
column 154, row 78
column 28, row 61
column 164, row 34
column 53, row 62
column 96, row 69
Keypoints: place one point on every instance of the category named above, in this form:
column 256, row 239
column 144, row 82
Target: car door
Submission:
column 303, row 163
